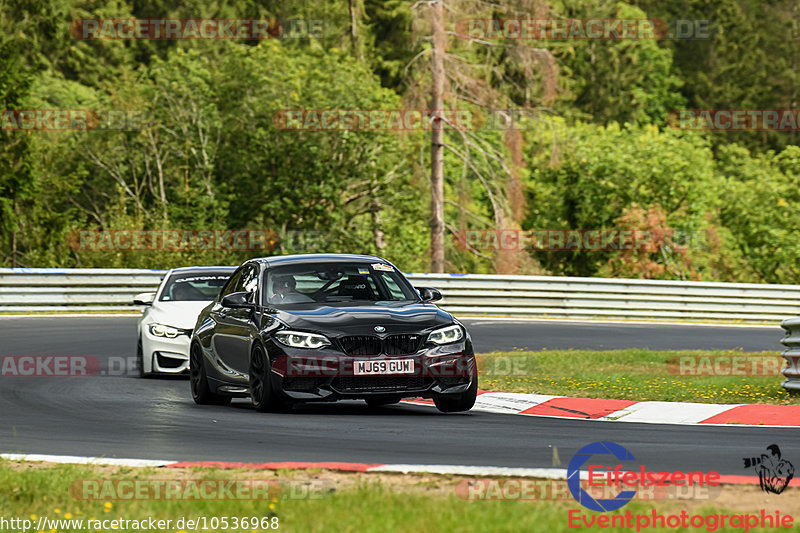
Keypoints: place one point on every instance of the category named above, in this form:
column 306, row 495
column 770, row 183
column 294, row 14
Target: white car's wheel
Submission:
column 140, row 358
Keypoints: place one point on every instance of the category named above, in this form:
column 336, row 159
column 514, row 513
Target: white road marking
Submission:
column 71, row 459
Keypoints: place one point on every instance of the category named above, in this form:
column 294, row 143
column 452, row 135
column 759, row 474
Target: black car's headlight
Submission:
column 299, row 339
column 446, row 335
column 160, row 330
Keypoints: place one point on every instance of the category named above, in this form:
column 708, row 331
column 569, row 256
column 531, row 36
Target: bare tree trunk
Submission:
column 795, row 36
column 437, row 139
column 354, row 31
column 377, row 225
column 13, row 249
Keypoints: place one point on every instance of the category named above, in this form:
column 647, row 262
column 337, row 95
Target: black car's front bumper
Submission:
column 329, row 377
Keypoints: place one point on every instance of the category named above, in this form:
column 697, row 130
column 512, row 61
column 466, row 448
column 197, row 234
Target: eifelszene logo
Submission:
column 608, row 476
column 574, row 476
column 774, row 473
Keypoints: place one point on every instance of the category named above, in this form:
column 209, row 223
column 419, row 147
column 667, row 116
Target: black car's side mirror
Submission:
column 429, row 294
column 237, row 300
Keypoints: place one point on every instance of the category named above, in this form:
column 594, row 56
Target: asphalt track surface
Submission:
column 122, row 416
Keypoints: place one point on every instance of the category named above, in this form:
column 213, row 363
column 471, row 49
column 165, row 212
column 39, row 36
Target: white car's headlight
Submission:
column 298, row 339
column 446, row 335
column 160, row 330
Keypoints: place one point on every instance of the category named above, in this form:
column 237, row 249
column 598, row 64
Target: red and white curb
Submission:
column 634, row 411
column 452, row 470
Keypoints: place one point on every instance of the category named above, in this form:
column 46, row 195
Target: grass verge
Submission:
column 352, row 503
column 638, row 374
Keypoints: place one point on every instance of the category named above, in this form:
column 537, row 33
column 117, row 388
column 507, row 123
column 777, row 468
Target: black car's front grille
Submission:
column 401, row 344
column 361, row 345
column 371, row 345
column 378, row 383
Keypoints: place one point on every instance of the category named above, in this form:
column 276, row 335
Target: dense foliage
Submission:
column 593, row 150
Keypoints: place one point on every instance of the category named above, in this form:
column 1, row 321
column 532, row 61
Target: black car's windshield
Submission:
column 194, row 287
column 333, row 283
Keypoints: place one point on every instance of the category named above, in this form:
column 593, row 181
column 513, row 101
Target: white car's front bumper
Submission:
column 163, row 355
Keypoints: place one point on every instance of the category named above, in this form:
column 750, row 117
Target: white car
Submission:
column 166, row 325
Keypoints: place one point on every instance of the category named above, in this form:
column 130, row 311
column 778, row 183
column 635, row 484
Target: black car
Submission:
column 325, row 327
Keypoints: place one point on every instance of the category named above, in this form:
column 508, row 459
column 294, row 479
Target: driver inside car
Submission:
column 285, row 291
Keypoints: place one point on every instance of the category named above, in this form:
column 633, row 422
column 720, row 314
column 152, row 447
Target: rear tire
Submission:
column 201, row 392
column 458, row 402
column 264, row 396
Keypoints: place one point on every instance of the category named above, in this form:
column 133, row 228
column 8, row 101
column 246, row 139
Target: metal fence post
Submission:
column 792, row 355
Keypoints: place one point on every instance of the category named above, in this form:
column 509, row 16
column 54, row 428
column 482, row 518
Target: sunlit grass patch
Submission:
column 633, row 374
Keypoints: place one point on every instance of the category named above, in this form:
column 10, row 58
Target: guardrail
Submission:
column 32, row 290
column 74, row 289
column 548, row 296
column 792, row 355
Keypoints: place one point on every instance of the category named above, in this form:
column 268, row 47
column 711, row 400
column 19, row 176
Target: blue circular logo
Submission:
column 380, row 329
column 574, row 476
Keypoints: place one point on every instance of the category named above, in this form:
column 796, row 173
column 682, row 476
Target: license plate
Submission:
column 384, row 366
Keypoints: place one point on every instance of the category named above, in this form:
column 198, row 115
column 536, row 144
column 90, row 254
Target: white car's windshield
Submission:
column 193, row 287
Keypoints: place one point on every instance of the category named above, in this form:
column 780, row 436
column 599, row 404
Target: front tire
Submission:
column 265, row 397
column 140, row 357
column 458, row 402
column 201, row 392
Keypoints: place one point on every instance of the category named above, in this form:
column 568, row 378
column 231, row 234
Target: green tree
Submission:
column 588, row 176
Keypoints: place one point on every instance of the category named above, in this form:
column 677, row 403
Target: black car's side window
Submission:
column 230, row 287
column 248, row 282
